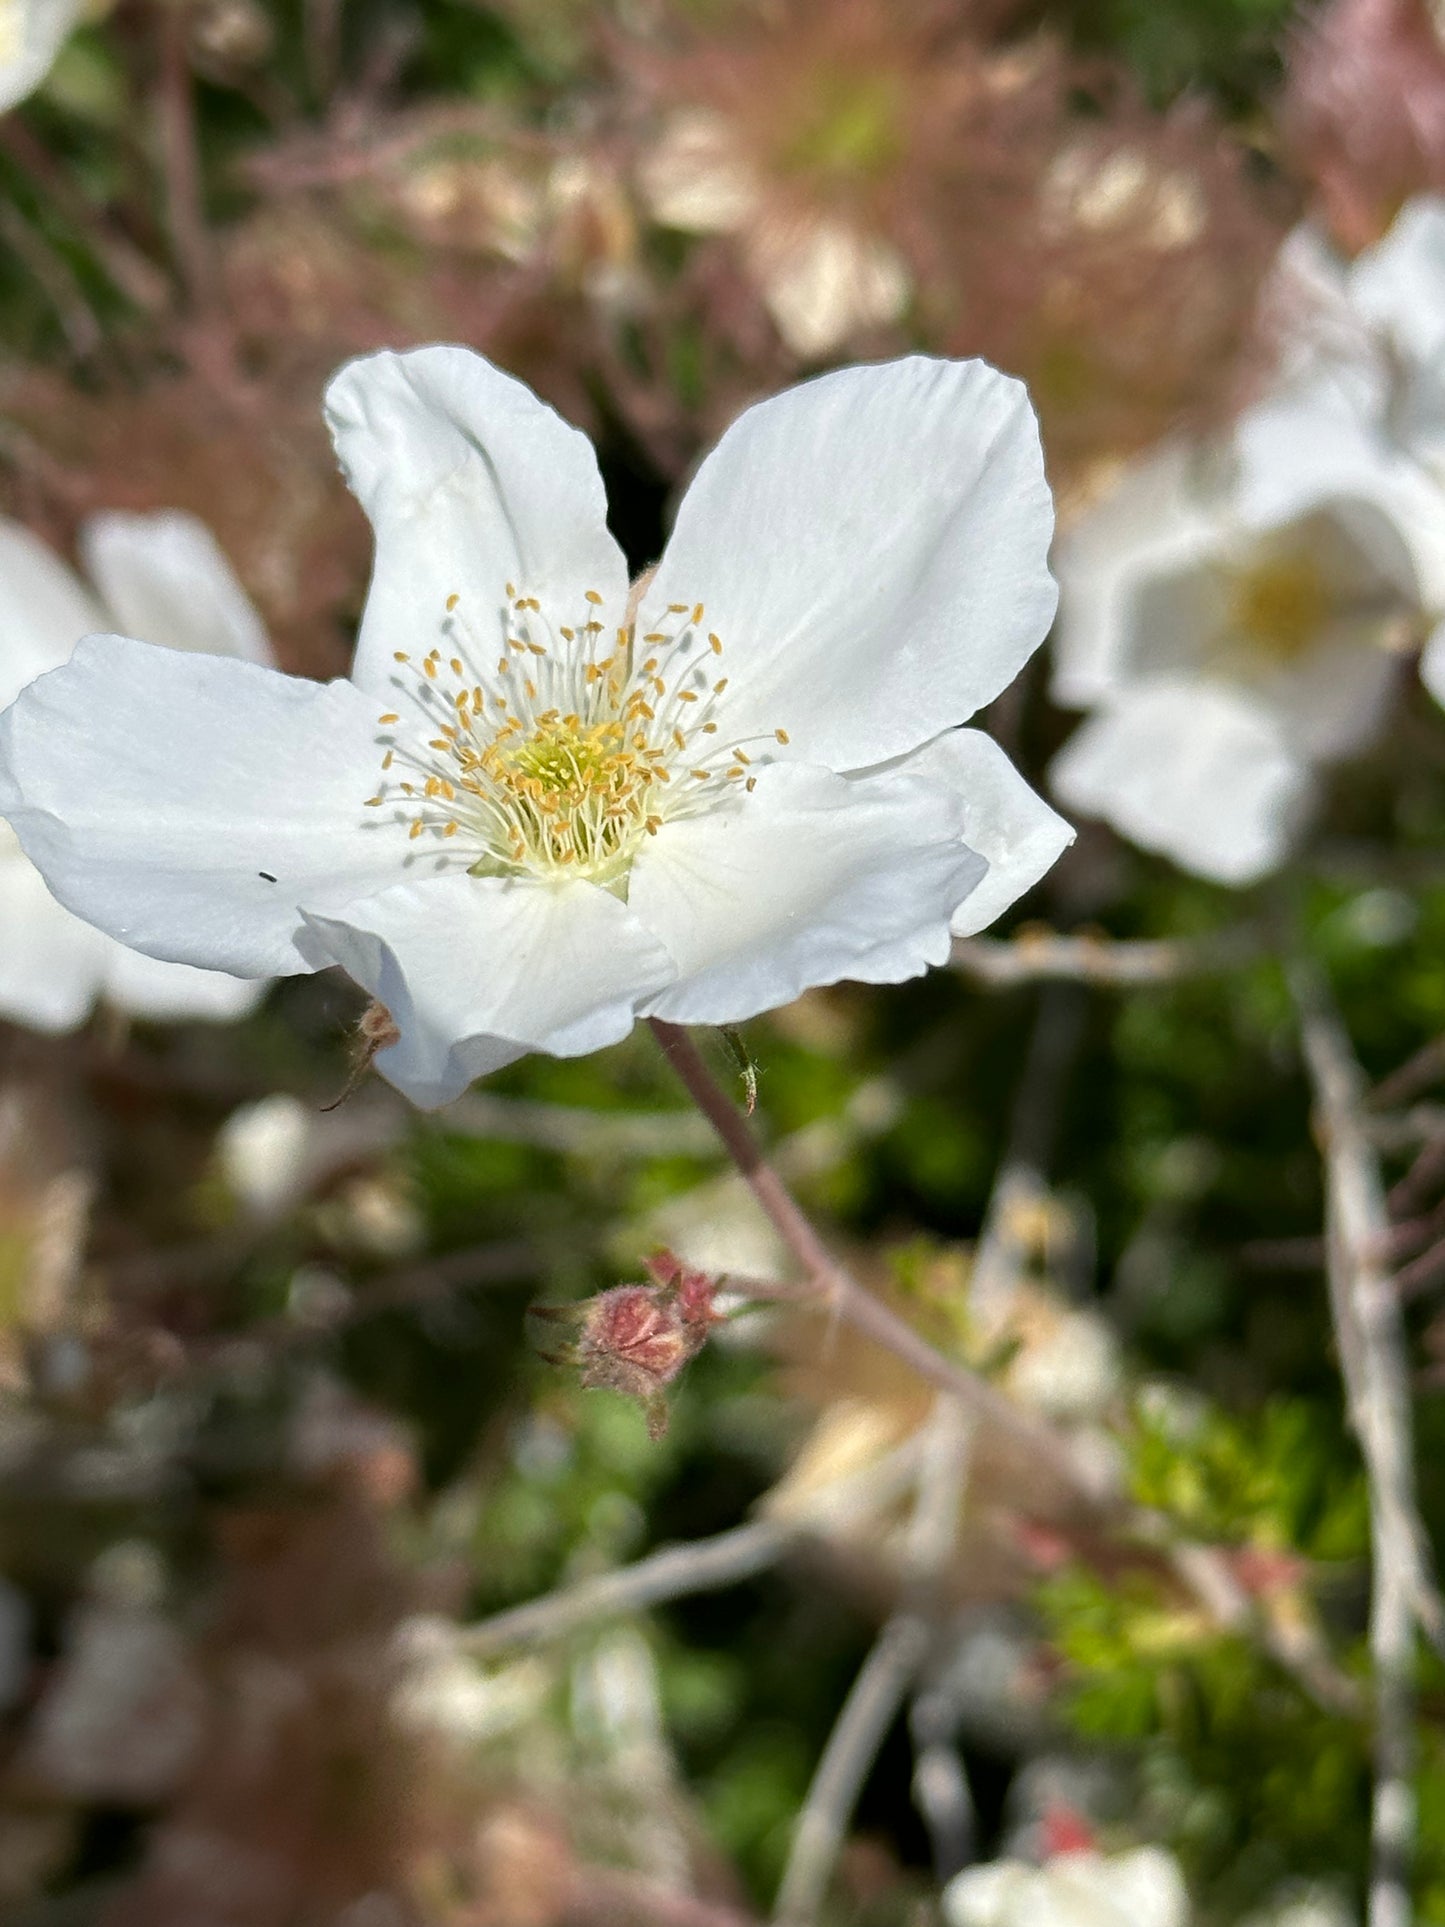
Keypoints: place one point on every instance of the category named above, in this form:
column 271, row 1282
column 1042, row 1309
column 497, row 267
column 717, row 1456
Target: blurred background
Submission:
column 279, row 1444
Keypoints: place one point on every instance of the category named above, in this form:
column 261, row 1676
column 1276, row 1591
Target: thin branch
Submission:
column 704, row 1565
column 869, row 1710
column 55, row 278
column 1421, row 1124
column 1120, row 963
column 576, row 1130
column 180, row 152
column 134, row 273
column 1414, row 1076
column 1374, row 1360
column 882, row 1683
column 835, row 1288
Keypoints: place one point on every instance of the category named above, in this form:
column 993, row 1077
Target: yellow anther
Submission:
column 415, row 831
column 696, row 614
column 390, row 717
column 782, row 736
column 594, row 598
column 715, row 644
column 456, row 665
column 452, row 600
column 400, row 655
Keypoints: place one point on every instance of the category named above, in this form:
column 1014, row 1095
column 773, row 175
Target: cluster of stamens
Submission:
column 575, row 747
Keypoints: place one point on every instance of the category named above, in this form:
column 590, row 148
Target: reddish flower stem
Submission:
column 834, row 1286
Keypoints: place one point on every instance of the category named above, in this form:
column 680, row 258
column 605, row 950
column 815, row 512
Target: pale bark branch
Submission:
column 1374, row 1361
column 705, row 1565
column 1116, row 962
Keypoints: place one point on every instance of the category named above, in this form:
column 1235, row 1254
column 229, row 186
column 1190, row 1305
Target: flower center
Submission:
column 1277, row 607
column 561, row 760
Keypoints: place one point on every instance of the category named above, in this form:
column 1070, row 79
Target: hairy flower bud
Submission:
column 635, row 1339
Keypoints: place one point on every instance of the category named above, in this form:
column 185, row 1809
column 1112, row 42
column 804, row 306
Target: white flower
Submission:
column 160, row 576
column 32, row 33
column 1306, row 1905
column 1378, row 345
column 264, row 1152
column 1140, row 1889
column 535, row 814
column 1233, row 617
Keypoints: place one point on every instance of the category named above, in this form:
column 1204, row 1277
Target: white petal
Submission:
column 171, row 992
column 1193, row 771
column 159, row 794
column 31, row 35
column 470, row 483
column 1146, row 1887
column 50, row 962
column 1432, row 663
column 871, row 547
column 44, row 610
column 1162, row 515
column 986, row 1895
column 1399, row 284
column 475, row 971
column 694, row 178
column 811, row 879
column 1005, row 821
column 165, row 578
column 1144, row 575
column 826, row 283
column 1305, row 453
column 1329, row 699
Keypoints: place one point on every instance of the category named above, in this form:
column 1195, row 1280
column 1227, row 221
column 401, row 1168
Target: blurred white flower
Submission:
column 161, row 576
column 264, row 1152
column 1068, row 1364
column 545, row 804
column 1143, row 1888
column 32, row 33
column 822, row 279
column 1306, row 1905
column 1233, row 617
